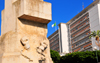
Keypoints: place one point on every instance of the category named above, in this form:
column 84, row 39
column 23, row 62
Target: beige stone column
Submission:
column 24, row 30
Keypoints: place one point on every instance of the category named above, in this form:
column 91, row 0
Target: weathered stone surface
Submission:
column 34, row 10
column 23, row 37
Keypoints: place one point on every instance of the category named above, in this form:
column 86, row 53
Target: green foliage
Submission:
column 94, row 33
column 55, row 56
column 97, row 37
column 76, row 57
column 80, row 57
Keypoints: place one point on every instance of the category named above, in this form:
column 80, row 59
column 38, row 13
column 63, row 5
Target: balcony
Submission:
column 53, row 47
column 87, row 47
column 89, row 40
column 80, row 36
column 80, row 39
column 80, row 33
column 54, row 43
column 80, row 28
column 81, row 49
column 77, row 49
column 80, row 23
column 54, row 36
column 79, row 18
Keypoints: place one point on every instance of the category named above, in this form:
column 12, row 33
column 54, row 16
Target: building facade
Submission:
column 74, row 35
column 54, row 41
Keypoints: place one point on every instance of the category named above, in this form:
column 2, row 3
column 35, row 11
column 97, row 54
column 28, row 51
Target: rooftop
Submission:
column 83, row 11
column 53, row 34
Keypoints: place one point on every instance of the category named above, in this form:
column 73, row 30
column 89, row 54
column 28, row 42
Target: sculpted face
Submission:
column 25, row 42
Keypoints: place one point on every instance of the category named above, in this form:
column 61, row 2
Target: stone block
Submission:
column 23, row 38
column 38, row 11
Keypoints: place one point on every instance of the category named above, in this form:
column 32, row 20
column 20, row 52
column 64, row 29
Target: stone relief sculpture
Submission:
column 25, row 43
column 23, row 30
column 41, row 49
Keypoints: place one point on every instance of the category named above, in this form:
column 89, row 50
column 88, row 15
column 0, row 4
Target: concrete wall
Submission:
column 94, row 17
column 33, row 10
column 8, row 20
column 64, row 44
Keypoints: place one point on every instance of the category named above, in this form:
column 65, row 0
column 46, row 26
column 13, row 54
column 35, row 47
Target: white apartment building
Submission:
column 74, row 35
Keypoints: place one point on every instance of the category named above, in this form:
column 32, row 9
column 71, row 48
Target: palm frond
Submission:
column 98, row 33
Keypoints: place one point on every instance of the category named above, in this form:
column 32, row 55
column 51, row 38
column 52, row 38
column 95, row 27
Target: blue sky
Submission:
column 62, row 11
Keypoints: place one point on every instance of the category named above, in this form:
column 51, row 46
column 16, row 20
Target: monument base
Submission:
column 12, row 50
column 24, row 30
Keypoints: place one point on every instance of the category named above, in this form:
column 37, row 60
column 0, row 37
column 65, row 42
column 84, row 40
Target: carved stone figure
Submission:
column 42, row 48
column 24, row 32
column 25, row 42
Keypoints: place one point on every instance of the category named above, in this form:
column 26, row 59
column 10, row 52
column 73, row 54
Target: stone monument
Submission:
column 23, row 33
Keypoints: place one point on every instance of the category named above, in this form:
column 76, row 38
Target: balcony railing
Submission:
column 80, row 33
column 53, row 47
column 79, row 18
column 80, row 36
column 54, row 36
column 79, row 23
column 80, row 28
column 81, row 49
column 87, row 47
column 89, row 40
column 81, row 39
column 54, row 43
column 54, row 39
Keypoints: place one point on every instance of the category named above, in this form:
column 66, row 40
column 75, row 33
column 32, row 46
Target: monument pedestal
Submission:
column 24, row 30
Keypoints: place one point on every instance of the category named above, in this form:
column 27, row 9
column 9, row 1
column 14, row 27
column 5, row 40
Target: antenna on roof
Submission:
column 93, row 0
column 83, row 5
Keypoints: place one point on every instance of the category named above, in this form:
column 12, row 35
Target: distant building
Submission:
column 74, row 35
column 54, row 41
